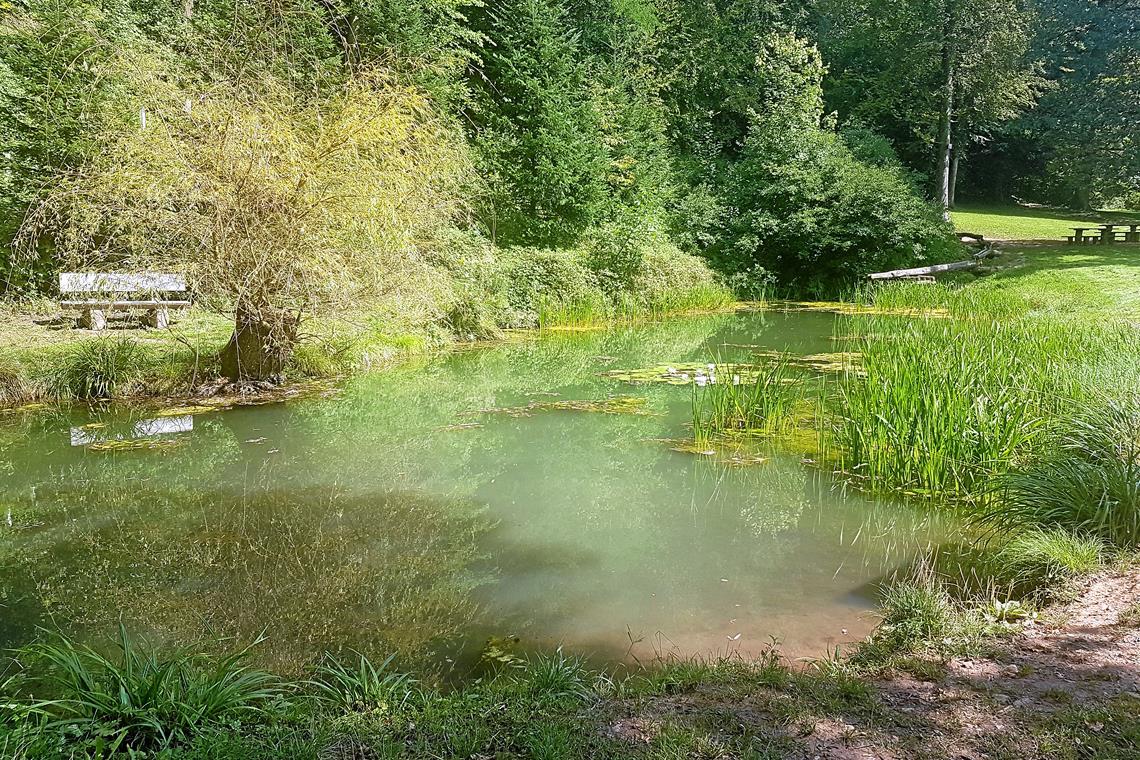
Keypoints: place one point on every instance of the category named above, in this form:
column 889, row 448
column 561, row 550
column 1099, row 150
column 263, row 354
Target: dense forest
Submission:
column 485, row 159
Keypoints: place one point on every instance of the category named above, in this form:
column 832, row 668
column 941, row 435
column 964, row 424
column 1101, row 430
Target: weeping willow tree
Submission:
column 274, row 206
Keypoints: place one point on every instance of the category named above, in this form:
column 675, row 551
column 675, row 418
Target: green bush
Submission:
column 808, row 211
column 539, row 278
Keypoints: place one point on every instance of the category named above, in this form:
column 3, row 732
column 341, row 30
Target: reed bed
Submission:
column 762, row 400
column 941, row 407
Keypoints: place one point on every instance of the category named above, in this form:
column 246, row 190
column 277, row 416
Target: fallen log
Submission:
column 896, row 274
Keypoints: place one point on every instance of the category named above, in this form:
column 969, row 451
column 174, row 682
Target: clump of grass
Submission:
column 14, row 382
column 1087, row 482
column 1041, row 562
column 587, row 311
column 1130, row 616
column 916, row 611
column 98, row 368
column 762, row 401
column 140, row 701
column 362, row 685
column 558, row 677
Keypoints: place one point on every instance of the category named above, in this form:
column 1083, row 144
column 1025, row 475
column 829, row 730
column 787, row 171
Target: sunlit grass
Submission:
column 1087, row 480
column 1010, row 222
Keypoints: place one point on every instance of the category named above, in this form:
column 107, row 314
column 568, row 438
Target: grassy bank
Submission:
column 46, row 359
column 60, row 699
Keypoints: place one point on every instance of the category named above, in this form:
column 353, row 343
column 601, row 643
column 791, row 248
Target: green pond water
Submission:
column 396, row 515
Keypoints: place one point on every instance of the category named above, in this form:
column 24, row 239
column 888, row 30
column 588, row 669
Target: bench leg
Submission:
column 93, row 319
column 157, row 318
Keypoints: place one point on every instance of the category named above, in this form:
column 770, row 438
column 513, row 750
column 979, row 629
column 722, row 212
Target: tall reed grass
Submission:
column 731, row 398
column 939, row 407
column 1086, row 481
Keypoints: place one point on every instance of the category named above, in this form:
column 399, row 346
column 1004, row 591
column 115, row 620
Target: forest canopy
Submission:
column 287, row 154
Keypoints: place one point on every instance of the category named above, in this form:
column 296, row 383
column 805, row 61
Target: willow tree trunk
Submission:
column 260, row 346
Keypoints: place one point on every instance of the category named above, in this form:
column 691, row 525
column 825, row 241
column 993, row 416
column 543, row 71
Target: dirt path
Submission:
column 1007, row 705
column 1065, row 688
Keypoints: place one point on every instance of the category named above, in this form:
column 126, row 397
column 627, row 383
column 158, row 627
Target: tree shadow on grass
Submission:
column 1042, row 257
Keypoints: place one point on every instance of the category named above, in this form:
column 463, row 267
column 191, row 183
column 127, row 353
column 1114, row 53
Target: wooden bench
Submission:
column 105, row 291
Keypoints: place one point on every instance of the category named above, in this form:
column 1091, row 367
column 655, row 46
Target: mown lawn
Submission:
column 1029, row 222
column 1085, row 282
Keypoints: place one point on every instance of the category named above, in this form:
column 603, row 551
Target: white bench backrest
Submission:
column 109, row 282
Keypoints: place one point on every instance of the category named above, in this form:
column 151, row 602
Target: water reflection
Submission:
column 314, row 569
column 93, row 433
column 382, row 521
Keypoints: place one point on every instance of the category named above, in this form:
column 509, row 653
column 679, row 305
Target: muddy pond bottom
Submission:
column 481, row 504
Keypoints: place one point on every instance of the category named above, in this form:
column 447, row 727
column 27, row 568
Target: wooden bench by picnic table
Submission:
column 96, row 293
column 1079, row 236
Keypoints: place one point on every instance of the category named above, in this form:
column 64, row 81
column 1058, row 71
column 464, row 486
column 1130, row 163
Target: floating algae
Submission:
column 839, row 361
column 183, row 411
column 133, row 444
column 687, row 373
column 853, row 309
column 611, row 405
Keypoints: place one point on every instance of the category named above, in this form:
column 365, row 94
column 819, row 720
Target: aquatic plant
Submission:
column 941, row 407
column 362, row 685
column 722, row 402
column 1088, row 481
column 140, row 701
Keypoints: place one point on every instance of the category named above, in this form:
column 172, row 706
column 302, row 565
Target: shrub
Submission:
column 671, row 280
column 1087, row 482
column 476, row 301
column 807, row 210
column 540, row 278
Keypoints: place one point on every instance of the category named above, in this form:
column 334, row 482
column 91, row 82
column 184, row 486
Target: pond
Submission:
column 450, row 508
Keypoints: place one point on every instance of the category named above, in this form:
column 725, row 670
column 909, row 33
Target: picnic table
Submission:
column 1078, row 235
column 1106, row 233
